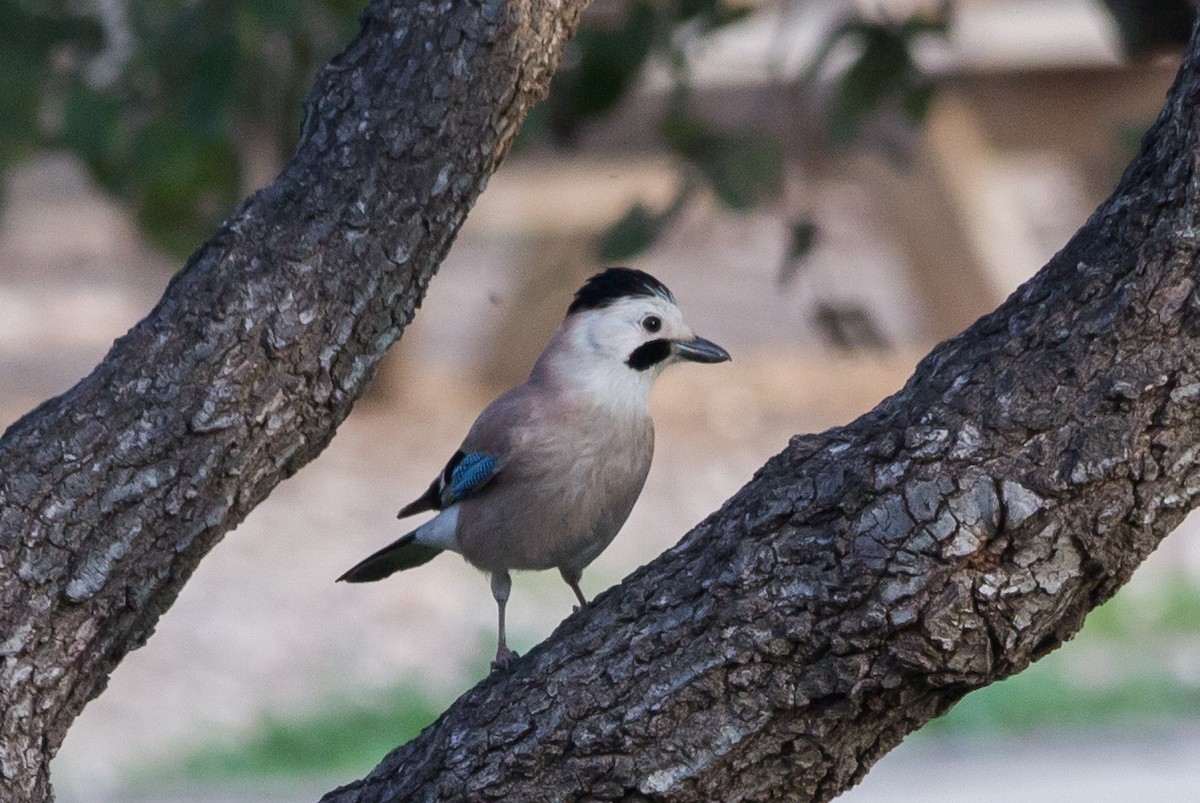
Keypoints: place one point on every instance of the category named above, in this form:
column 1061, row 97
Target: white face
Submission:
column 612, row 354
column 615, row 333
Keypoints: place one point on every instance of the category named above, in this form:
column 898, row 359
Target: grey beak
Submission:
column 700, row 350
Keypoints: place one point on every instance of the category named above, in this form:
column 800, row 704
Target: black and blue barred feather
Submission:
column 464, row 475
column 472, row 473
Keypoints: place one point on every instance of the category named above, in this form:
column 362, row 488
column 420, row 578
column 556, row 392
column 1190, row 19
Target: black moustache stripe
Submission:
column 649, row 354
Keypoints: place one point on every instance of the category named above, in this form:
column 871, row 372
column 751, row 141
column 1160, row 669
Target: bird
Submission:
column 550, row 470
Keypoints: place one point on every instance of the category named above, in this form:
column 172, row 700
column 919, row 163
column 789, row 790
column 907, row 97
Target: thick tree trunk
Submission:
column 112, row 493
column 868, row 577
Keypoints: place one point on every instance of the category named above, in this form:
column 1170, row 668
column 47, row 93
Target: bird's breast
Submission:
column 561, row 497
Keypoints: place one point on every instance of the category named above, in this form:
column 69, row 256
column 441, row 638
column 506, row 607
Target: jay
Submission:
column 550, row 470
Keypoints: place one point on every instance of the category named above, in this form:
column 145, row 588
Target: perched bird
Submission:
column 550, row 470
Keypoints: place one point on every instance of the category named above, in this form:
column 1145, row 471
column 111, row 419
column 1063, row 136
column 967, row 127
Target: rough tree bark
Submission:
column 112, row 493
column 870, row 576
column 863, row 582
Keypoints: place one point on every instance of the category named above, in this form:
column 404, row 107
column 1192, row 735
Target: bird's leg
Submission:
column 501, row 585
column 572, row 577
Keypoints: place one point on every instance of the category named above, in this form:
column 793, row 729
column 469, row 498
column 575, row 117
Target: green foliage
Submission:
column 1149, row 27
column 882, row 71
column 640, row 227
column 1044, row 695
column 608, row 54
column 176, row 126
column 600, row 66
column 338, row 739
column 742, row 168
column 29, row 36
column 802, row 238
column 633, row 233
column 209, row 88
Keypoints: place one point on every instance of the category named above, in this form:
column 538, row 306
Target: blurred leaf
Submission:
column 640, row 227
column 187, row 183
column 203, row 81
column 937, row 24
column 1158, row 25
column 802, row 236
column 711, row 14
column 879, row 70
column 689, row 9
column 848, row 326
column 686, row 134
column 1129, row 140
column 917, row 99
column 882, row 71
column 742, row 168
column 28, row 36
column 600, row 67
column 637, row 230
column 746, row 170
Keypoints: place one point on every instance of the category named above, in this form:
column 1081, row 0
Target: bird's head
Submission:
column 623, row 328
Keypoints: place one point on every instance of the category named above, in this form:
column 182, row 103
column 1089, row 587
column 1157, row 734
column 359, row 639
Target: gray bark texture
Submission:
column 864, row 580
column 869, row 577
column 112, row 493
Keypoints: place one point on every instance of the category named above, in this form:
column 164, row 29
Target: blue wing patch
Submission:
column 467, row 476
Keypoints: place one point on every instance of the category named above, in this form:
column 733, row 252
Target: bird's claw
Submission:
column 504, row 657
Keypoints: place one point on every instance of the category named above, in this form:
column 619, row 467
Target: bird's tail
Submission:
column 403, row 554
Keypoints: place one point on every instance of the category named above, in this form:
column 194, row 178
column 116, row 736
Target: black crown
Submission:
column 610, row 286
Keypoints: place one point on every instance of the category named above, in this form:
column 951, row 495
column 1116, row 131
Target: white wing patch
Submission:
column 439, row 531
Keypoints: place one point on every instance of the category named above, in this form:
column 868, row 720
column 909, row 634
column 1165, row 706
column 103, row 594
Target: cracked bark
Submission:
column 112, row 493
column 870, row 576
column 861, row 583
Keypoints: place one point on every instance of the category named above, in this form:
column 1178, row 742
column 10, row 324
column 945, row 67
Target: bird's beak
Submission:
column 700, row 350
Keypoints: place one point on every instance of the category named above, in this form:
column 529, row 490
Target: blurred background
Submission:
column 829, row 187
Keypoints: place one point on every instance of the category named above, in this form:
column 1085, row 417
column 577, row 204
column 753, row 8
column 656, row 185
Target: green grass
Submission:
column 350, row 739
column 1042, row 696
column 1172, row 608
column 336, row 739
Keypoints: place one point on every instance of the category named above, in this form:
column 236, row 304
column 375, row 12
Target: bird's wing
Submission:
column 464, row 475
column 494, row 441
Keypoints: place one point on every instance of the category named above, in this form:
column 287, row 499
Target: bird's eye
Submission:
column 652, row 323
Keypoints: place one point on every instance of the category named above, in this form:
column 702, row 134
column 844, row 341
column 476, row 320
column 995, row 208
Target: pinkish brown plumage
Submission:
column 550, row 470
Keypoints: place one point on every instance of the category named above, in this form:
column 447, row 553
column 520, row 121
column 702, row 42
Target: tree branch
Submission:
column 870, row 576
column 112, row 493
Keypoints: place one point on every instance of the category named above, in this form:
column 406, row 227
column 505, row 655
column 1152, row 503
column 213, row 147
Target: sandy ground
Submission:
column 261, row 627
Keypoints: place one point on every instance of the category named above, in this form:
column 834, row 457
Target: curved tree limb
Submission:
column 112, row 493
column 870, row 576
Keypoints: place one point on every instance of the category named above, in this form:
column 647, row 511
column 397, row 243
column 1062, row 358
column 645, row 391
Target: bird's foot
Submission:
column 504, row 657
